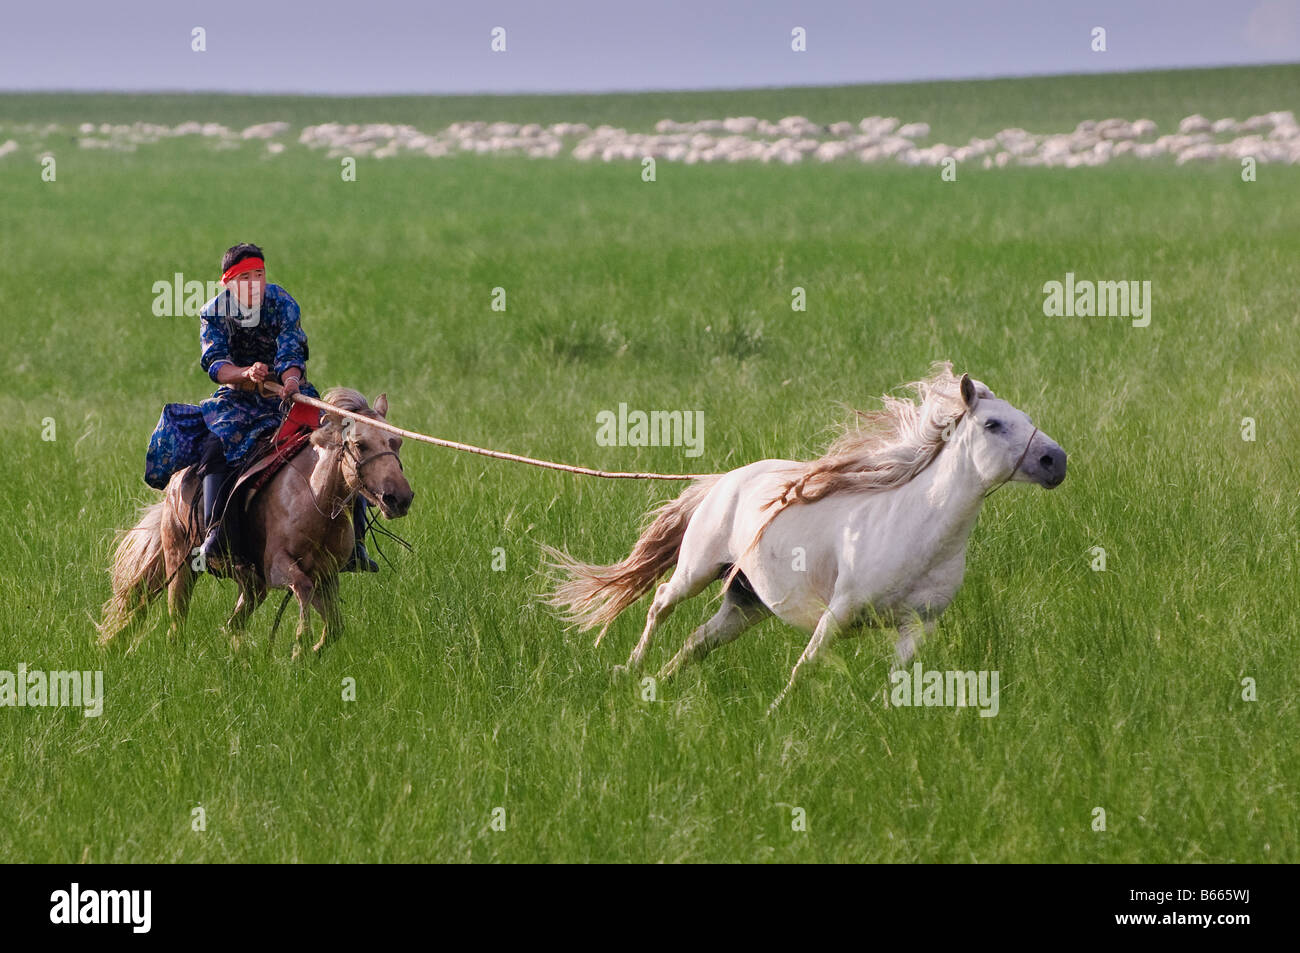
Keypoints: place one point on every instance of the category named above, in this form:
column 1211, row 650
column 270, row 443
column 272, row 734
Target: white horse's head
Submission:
column 1003, row 442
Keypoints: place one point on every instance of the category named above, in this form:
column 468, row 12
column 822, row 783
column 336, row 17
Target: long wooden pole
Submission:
column 276, row 390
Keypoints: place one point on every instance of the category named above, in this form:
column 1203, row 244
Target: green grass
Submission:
column 1119, row 689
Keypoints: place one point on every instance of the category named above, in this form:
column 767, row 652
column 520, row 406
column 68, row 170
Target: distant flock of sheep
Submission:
column 1270, row 137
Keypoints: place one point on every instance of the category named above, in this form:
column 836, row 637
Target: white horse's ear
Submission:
column 381, row 405
column 968, row 395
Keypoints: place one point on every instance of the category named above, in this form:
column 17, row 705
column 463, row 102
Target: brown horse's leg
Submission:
column 178, row 599
column 178, row 549
column 284, row 572
column 326, row 602
column 251, row 594
column 305, row 590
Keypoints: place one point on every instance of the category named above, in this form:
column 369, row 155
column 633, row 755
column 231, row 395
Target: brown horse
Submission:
column 298, row 529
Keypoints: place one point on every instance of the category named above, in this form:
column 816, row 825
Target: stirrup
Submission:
column 212, row 546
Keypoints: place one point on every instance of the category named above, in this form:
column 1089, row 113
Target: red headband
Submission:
column 239, row 267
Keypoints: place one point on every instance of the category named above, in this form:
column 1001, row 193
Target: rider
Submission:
column 251, row 333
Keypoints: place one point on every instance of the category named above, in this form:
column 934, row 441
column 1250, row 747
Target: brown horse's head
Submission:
column 370, row 455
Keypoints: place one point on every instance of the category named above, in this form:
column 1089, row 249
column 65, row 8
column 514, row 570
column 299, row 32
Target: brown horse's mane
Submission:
column 330, row 432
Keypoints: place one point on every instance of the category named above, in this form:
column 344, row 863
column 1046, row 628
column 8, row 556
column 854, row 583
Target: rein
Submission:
column 275, row 389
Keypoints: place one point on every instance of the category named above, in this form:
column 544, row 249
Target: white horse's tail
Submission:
column 138, row 572
column 593, row 595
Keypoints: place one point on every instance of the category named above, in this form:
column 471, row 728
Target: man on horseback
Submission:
column 250, row 333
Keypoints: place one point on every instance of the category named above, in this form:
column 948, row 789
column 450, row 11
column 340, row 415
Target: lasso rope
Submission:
column 275, row 389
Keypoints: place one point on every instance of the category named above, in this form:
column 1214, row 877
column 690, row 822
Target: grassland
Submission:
column 1120, row 689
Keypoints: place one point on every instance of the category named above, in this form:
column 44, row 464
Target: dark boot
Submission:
column 213, row 505
column 214, row 469
column 360, row 560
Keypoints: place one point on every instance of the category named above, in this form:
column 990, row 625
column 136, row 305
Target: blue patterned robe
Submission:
column 238, row 418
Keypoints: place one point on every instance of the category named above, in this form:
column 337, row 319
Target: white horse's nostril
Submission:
column 1048, row 461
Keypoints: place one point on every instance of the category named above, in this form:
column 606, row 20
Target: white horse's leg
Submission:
column 727, row 624
column 682, row 585
column 910, row 634
column 828, row 627
column 700, row 560
column 697, row 566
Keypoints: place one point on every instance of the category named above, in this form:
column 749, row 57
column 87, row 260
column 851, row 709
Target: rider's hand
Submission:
column 290, row 387
column 257, row 373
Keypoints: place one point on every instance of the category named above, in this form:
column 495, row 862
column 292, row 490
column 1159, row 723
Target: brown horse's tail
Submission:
column 594, row 595
column 139, row 573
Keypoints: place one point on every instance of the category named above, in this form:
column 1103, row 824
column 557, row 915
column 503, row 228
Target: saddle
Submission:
column 269, row 457
column 273, row 454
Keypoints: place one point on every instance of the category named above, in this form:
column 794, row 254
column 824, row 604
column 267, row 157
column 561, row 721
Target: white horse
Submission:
column 872, row 533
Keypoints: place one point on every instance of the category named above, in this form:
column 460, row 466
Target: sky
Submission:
column 366, row 47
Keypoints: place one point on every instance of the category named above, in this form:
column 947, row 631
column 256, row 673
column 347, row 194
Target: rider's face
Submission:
column 249, row 286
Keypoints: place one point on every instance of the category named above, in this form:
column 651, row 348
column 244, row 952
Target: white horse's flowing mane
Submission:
column 884, row 448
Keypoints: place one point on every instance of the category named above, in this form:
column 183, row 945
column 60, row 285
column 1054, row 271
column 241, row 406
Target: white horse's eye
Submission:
column 993, row 425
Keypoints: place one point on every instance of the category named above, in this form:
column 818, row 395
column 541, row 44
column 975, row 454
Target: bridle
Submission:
column 350, row 452
column 1023, row 453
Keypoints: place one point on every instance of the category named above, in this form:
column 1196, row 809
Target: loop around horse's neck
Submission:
column 352, row 488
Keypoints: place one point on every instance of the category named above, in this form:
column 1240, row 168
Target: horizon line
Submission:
column 984, row 78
